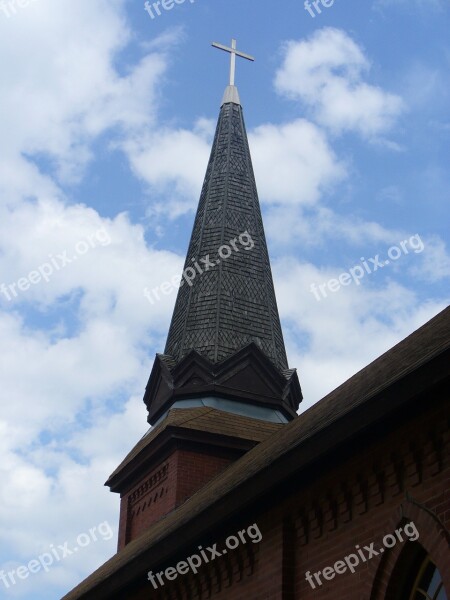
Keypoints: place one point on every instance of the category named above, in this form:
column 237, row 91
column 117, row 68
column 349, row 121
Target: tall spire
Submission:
column 233, row 303
column 226, row 319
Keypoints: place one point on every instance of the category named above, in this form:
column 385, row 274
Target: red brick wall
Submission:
column 365, row 499
column 357, row 502
column 149, row 500
column 194, row 470
column 163, row 489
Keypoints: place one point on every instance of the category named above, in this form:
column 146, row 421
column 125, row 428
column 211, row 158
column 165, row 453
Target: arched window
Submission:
column 428, row 584
column 415, row 576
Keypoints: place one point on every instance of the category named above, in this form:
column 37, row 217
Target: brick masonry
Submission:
column 163, row 489
column 401, row 477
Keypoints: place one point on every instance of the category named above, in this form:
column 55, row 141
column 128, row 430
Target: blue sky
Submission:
column 106, row 126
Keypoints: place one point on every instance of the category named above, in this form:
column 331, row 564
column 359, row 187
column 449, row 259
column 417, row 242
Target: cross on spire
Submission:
column 233, row 53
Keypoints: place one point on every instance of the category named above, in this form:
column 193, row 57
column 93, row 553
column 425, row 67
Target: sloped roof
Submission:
column 211, row 420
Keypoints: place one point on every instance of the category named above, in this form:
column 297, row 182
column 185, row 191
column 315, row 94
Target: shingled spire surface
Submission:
column 225, row 338
column 233, row 304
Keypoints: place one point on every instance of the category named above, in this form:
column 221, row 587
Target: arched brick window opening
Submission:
column 396, row 575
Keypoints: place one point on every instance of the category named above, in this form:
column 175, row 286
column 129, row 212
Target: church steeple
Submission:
column 225, row 337
column 223, row 384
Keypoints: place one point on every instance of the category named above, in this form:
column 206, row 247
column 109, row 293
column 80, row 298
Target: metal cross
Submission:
column 233, row 53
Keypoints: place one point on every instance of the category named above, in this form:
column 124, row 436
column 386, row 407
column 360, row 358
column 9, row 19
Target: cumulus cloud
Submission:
column 435, row 265
column 58, row 99
column 76, row 360
column 294, row 163
column 327, row 73
column 172, row 162
column 316, row 226
column 322, row 335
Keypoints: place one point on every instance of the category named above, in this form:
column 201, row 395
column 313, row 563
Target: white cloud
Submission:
column 112, row 317
column 110, row 277
column 57, row 99
column 75, row 346
column 322, row 336
column 173, row 162
column 320, row 225
column 435, row 264
column 294, row 164
column 326, row 72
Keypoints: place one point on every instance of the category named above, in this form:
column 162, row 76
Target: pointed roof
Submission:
column 233, row 303
column 225, row 338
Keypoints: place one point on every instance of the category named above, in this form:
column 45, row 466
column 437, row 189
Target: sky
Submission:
column 106, row 124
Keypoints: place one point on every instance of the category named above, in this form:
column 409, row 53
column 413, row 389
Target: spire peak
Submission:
column 231, row 94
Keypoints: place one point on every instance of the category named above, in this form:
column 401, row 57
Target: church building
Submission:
column 231, row 495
